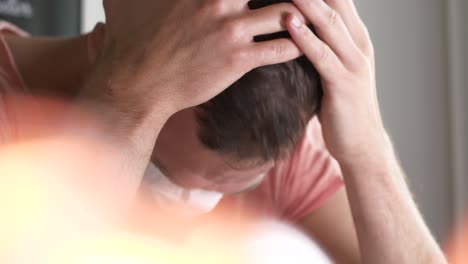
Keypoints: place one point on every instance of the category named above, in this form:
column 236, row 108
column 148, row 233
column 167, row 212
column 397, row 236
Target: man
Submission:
column 141, row 78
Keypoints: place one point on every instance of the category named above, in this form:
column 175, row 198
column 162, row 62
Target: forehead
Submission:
column 180, row 151
column 178, row 147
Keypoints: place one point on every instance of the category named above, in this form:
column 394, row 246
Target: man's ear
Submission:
column 96, row 40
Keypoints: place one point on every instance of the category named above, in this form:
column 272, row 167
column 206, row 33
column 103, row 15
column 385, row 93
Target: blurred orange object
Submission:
column 457, row 249
column 62, row 202
column 56, row 221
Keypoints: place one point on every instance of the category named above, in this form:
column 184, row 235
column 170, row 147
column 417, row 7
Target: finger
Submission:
column 331, row 29
column 348, row 11
column 272, row 52
column 320, row 54
column 240, row 5
column 269, row 19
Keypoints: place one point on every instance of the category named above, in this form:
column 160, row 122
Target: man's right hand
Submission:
column 158, row 57
column 181, row 53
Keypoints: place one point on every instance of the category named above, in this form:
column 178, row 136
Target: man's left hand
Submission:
column 343, row 54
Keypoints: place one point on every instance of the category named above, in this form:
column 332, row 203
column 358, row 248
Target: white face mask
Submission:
column 168, row 194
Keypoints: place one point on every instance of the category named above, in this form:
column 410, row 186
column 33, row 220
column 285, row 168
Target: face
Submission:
column 182, row 158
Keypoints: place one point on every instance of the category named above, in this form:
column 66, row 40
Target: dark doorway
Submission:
column 43, row 17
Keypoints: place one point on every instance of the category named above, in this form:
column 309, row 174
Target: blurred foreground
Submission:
column 61, row 202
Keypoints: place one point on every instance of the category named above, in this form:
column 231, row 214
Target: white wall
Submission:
column 93, row 12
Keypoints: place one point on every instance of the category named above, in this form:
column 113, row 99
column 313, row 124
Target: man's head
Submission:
column 237, row 136
column 263, row 115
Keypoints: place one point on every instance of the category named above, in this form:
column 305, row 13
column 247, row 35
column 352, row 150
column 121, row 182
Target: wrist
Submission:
column 376, row 155
column 124, row 97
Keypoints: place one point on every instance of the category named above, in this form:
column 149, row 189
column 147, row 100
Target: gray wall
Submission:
column 459, row 97
column 413, row 52
column 464, row 110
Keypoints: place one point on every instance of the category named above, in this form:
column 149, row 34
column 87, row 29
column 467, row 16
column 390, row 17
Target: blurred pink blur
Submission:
column 61, row 202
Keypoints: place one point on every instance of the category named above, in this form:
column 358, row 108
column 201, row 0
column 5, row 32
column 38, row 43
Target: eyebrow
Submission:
column 253, row 186
column 161, row 167
column 239, row 168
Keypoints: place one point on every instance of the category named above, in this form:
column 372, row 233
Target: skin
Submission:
column 192, row 68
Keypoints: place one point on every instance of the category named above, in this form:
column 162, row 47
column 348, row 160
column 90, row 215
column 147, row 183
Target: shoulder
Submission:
column 307, row 179
column 10, row 79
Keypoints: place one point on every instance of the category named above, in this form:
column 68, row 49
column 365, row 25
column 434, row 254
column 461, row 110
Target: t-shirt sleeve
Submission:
column 11, row 83
column 309, row 178
column 6, row 130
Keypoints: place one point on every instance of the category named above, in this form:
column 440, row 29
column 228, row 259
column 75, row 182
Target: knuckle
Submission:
column 366, row 33
column 365, row 43
column 329, row 20
column 368, row 68
column 238, row 58
column 234, row 31
column 323, row 53
column 274, row 52
column 368, row 49
column 307, row 3
column 278, row 51
column 361, row 65
column 333, row 18
column 358, row 63
column 285, row 7
column 215, row 7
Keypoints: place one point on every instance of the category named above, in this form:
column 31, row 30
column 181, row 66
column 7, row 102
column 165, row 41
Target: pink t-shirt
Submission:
column 293, row 189
column 297, row 186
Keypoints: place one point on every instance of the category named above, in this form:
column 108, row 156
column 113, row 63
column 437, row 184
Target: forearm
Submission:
column 389, row 226
column 390, row 229
column 125, row 126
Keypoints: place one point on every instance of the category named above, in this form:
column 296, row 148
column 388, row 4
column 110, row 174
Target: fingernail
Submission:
column 296, row 22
